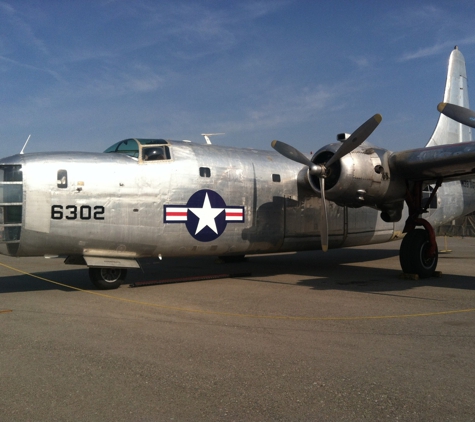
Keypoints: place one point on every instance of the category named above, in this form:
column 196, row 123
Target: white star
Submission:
column 206, row 216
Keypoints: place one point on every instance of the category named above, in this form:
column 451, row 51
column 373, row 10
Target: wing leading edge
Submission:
column 449, row 162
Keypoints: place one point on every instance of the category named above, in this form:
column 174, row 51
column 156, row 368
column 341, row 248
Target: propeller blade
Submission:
column 356, row 138
column 323, row 216
column 295, row 155
column 459, row 114
column 291, row 153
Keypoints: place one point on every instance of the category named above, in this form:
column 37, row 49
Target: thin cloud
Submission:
column 111, row 83
column 287, row 107
column 415, row 19
column 52, row 73
column 258, row 9
column 361, row 62
column 437, row 49
column 426, row 52
column 18, row 28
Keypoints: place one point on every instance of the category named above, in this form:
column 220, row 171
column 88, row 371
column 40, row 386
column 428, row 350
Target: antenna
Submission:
column 24, row 146
column 207, row 135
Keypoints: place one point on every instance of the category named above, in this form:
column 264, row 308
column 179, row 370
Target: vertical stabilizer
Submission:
column 447, row 130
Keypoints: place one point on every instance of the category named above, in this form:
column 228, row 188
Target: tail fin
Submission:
column 447, row 130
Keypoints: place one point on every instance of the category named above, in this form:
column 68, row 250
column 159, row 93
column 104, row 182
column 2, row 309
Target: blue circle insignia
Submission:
column 206, row 216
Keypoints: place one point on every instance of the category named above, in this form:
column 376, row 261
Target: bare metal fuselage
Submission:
column 112, row 205
column 152, row 197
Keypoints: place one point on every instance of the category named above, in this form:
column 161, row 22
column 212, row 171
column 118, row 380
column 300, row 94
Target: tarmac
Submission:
column 311, row 336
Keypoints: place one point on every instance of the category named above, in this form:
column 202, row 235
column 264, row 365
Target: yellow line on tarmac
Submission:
column 230, row 314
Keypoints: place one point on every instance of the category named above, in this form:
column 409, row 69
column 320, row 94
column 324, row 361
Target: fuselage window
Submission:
column 205, row 172
column 276, row 178
column 11, row 173
column 62, row 179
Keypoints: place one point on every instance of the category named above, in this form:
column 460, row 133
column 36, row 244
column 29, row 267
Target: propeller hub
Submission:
column 317, row 170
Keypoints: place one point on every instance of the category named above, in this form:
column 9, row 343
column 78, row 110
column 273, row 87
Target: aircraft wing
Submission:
column 450, row 162
column 449, row 153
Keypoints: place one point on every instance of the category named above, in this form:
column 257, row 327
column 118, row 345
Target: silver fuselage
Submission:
column 113, row 205
column 152, row 197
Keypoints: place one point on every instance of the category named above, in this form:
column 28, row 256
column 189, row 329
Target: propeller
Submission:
column 459, row 114
column 322, row 170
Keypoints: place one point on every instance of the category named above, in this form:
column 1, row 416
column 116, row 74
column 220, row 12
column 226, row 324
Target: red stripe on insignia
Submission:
column 234, row 214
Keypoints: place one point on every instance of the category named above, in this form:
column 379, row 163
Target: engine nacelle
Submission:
column 361, row 178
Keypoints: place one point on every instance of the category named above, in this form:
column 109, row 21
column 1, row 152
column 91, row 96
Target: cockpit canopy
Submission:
column 142, row 149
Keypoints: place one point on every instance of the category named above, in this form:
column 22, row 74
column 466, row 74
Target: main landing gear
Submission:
column 418, row 253
column 107, row 278
column 415, row 256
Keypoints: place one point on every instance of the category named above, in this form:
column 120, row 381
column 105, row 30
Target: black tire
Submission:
column 412, row 254
column 107, row 278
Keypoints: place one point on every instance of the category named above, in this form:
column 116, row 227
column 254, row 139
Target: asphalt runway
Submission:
column 294, row 337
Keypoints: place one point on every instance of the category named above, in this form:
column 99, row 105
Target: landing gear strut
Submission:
column 107, row 278
column 418, row 253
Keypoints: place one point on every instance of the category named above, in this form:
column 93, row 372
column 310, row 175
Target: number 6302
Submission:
column 73, row 212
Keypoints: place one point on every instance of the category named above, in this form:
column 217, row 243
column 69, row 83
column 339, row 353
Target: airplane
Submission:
column 163, row 198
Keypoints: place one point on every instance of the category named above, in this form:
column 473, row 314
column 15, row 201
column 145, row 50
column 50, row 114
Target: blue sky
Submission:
column 81, row 76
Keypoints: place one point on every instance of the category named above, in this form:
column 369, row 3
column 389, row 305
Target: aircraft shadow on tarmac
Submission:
column 362, row 270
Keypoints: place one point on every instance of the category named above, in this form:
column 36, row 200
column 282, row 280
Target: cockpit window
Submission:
column 143, row 149
column 155, row 153
column 128, row 147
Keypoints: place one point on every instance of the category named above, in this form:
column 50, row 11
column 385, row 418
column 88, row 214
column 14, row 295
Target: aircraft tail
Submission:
column 447, row 130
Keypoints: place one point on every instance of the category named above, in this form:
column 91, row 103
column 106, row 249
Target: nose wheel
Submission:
column 107, row 278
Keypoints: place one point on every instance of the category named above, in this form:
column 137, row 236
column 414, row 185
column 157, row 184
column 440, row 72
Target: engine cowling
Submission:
column 361, row 178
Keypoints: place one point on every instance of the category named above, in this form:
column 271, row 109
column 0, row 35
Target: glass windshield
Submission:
column 152, row 149
column 128, row 147
column 131, row 147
